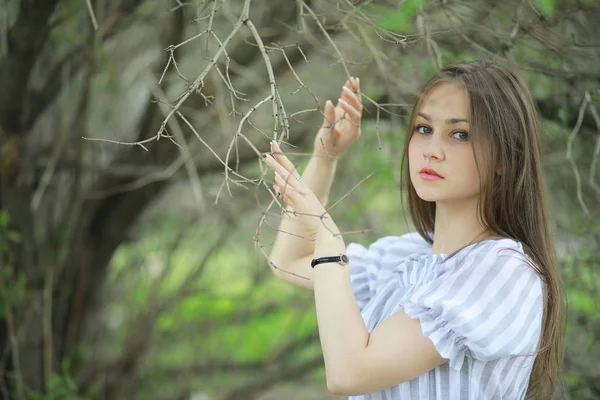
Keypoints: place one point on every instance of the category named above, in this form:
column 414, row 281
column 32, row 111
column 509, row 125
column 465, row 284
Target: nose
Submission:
column 433, row 149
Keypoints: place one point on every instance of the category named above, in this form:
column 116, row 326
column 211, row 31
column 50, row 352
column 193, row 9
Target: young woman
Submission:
column 470, row 306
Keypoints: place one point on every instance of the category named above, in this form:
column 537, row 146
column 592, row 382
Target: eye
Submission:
column 461, row 135
column 423, row 129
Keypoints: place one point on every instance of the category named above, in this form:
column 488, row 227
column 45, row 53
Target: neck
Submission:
column 456, row 226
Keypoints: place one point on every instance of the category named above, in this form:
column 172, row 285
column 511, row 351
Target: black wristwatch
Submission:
column 342, row 260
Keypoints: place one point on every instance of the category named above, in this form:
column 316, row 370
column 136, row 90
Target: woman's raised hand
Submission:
column 311, row 214
column 341, row 125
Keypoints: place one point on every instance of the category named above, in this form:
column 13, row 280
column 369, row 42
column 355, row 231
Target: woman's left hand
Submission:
column 306, row 206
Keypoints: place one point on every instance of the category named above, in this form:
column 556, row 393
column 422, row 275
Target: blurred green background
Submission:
column 138, row 271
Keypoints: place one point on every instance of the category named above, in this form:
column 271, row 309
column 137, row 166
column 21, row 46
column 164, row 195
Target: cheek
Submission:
column 468, row 165
column 413, row 148
column 413, row 156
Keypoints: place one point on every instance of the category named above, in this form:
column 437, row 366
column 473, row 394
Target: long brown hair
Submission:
column 512, row 200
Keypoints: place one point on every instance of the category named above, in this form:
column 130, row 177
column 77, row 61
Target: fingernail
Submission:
column 346, row 88
column 343, row 101
column 276, row 174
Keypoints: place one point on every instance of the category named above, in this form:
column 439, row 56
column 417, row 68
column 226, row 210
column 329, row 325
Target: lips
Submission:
column 430, row 171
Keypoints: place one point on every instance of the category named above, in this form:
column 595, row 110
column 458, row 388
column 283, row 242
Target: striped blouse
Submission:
column 482, row 309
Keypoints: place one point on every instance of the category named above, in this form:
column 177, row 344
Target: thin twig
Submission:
column 327, row 36
column 586, row 100
column 351, row 190
column 186, row 154
column 594, row 112
column 92, row 15
column 278, row 107
column 238, row 133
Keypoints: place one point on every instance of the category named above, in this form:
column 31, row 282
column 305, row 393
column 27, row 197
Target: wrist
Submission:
column 323, row 159
column 329, row 243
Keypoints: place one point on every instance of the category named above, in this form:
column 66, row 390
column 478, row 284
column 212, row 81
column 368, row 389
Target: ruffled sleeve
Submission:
column 367, row 265
column 490, row 306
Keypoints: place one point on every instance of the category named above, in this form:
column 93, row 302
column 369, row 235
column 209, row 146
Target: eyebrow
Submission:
column 448, row 121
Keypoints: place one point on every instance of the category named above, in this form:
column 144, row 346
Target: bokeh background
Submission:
column 134, row 211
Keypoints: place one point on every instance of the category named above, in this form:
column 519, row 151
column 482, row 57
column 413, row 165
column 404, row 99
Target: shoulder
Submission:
column 500, row 260
column 489, row 252
column 487, row 304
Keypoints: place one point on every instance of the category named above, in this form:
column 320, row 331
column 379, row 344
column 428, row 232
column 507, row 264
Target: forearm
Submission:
column 290, row 242
column 318, row 176
column 342, row 331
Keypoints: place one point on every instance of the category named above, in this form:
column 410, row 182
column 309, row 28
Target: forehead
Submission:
column 446, row 100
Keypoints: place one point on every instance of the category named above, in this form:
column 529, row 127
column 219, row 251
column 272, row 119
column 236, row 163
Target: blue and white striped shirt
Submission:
column 481, row 308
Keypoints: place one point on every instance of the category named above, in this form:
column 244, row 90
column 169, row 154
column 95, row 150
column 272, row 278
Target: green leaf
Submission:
column 546, row 7
column 13, row 236
column 563, row 115
column 3, row 218
column 397, row 20
column 572, row 379
column 582, row 302
column 393, row 21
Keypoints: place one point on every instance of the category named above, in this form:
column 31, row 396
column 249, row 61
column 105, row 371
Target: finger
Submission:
column 286, row 199
column 354, row 85
column 287, row 191
column 289, row 178
column 282, row 159
column 353, row 114
column 329, row 121
column 351, row 98
column 328, row 114
column 288, row 181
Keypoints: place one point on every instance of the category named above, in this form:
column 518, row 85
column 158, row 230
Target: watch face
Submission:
column 345, row 259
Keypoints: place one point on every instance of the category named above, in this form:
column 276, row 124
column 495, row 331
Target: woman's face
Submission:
column 442, row 141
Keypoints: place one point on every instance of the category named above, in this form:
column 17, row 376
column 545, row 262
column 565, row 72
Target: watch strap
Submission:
column 342, row 259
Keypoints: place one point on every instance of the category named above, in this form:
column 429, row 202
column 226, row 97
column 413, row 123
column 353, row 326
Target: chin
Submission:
column 427, row 195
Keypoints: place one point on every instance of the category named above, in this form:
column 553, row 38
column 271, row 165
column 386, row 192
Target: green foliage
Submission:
column 572, row 379
column 546, row 7
column 227, row 315
column 13, row 290
column 563, row 115
column 62, row 387
column 596, row 96
column 8, row 236
column 68, row 31
column 397, row 20
column 452, row 58
column 582, row 282
column 372, row 160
